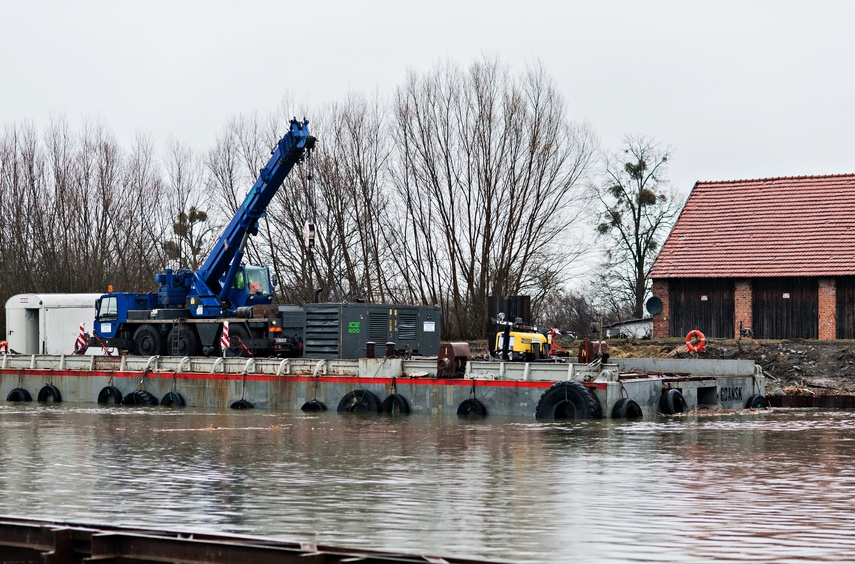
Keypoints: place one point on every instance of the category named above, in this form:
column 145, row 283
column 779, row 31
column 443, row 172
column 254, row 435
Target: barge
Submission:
column 618, row 388
column 32, row 541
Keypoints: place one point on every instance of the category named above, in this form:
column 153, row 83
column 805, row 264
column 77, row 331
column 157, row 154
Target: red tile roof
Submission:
column 793, row 226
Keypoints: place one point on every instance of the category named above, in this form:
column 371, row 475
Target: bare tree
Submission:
column 489, row 175
column 569, row 310
column 636, row 210
column 85, row 213
column 139, row 253
column 351, row 172
column 190, row 229
column 343, row 198
column 19, row 169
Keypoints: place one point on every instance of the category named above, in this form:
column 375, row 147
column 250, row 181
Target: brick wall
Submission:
column 742, row 310
column 827, row 309
column 662, row 320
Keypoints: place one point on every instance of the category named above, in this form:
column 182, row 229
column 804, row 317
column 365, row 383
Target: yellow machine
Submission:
column 522, row 345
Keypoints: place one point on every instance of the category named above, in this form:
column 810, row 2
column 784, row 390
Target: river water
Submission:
column 774, row 486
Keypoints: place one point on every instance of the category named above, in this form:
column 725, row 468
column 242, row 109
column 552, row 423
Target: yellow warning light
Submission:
column 110, row 289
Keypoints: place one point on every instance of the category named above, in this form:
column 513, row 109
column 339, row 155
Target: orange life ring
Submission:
column 4, row 345
column 702, row 341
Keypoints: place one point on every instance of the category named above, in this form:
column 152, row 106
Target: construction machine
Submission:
column 187, row 313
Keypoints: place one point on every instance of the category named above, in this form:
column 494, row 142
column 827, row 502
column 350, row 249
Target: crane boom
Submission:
column 221, row 265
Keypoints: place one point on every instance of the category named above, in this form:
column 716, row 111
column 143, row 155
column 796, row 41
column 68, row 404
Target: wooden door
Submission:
column 785, row 308
column 703, row 304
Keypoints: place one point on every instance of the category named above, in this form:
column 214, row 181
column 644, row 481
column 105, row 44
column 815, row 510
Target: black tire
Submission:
column 241, row 404
column 626, row 408
column 359, row 401
column 19, row 394
column 758, row 401
column 50, row 393
column 147, row 341
column 182, row 341
column 237, row 334
column 395, row 404
column 314, row 405
column 672, row 401
column 568, row 400
column 173, row 399
column 110, row 394
column 471, row 407
column 140, row 398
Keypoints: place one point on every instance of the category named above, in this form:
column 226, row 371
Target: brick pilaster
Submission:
column 742, row 306
column 827, row 309
column 662, row 320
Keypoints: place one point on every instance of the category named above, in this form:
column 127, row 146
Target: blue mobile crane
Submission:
column 185, row 315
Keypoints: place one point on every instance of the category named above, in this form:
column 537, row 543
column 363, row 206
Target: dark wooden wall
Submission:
column 713, row 316
column 846, row 307
column 793, row 317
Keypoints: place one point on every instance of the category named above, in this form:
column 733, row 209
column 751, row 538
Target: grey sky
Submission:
column 738, row 89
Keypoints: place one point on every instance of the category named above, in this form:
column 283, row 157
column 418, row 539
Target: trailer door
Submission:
column 22, row 330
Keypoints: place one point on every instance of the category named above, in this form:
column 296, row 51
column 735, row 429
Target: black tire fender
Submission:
column 50, row 393
column 757, row 401
column 395, row 404
column 672, row 401
column 359, row 401
column 110, row 394
column 568, row 400
column 626, row 408
column 173, row 399
column 314, row 405
column 141, row 398
column 242, row 404
column 19, row 394
column 471, row 406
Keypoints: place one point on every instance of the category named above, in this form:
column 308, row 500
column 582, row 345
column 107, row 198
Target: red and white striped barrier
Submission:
column 82, row 342
column 225, row 342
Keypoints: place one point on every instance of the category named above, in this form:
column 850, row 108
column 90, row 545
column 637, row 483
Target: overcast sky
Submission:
column 738, row 89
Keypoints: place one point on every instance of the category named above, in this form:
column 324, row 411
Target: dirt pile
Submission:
column 792, row 367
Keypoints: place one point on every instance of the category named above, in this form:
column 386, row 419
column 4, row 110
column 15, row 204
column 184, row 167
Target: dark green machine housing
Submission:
column 342, row 330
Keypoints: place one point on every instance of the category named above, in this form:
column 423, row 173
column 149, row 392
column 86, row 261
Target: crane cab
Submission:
column 251, row 286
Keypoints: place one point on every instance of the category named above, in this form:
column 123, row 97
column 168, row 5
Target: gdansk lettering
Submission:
column 730, row 394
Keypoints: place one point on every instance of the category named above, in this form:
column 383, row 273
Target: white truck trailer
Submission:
column 48, row 323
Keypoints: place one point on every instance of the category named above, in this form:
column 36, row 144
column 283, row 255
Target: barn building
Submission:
column 774, row 258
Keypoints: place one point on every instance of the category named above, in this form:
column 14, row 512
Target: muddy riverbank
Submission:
column 792, row 367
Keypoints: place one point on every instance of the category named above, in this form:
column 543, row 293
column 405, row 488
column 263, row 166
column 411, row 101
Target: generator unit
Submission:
column 343, row 330
column 522, row 345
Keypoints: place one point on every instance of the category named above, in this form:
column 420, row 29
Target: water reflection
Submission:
column 774, row 486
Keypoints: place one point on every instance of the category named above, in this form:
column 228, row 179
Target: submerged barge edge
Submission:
column 502, row 388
